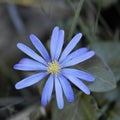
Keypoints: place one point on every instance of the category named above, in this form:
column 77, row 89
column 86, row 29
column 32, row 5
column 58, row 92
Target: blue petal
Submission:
column 59, row 95
column 40, row 47
column 79, row 59
column 74, row 54
column 30, row 53
column 59, row 45
column 70, row 46
column 29, row 64
column 47, row 91
column 54, row 41
column 29, row 67
column 78, row 83
column 26, row 82
column 67, row 88
column 29, row 61
column 79, row 74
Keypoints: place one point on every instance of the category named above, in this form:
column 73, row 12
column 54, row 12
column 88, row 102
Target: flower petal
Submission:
column 29, row 67
column 70, row 46
column 30, row 53
column 29, row 64
column 59, row 95
column 29, row 61
column 66, row 88
column 40, row 47
column 79, row 74
column 47, row 91
column 59, row 45
column 78, row 83
column 54, row 41
column 74, row 54
column 79, row 59
column 26, row 82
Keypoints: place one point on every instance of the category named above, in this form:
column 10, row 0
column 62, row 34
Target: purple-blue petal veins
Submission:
column 59, row 44
column 47, row 91
column 59, row 94
column 56, row 66
column 31, row 53
column 79, row 74
column 79, row 59
column 30, row 61
column 70, row 46
column 31, row 80
column 78, row 83
column 74, row 54
column 40, row 47
column 67, row 89
column 27, row 64
column 54, row 41
column 29, row 67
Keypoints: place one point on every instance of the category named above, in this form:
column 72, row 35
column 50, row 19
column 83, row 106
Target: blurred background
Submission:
column 98, row 20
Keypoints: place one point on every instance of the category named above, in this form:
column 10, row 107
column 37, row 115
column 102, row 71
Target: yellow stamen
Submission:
column 53, row 67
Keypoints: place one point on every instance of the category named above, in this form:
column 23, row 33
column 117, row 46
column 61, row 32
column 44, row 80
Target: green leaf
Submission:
column 105, row 80
column 83, row 108
column 110, row 52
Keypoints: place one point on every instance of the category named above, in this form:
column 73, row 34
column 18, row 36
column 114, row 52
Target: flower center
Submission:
column 53, row 67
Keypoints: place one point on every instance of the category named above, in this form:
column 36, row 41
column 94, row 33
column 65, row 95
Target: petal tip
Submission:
column 71, row 100
column 87, row 92
column 93, row 52
column 17, row 86
column 56, row 27
column 79, row 35
column 61, row 107
column 19, row 44
column 32, row 36
column 93, row 78
column 43, row 103
column 55, row 30
column 15, row 67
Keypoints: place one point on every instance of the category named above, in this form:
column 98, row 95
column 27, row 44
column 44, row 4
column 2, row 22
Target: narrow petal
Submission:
column 59, row 94
column 67, row 88
column 59, row 46
column 79, row 59
column 74, row 54
column 29, row 67
column 79, row 74
column 47, row 91
column 30, row 53
column 40, row 47
column 26, row 82
column 70, row 46
column 54, row 41
column 78, row 83
column 29, row 61
column 29, row 64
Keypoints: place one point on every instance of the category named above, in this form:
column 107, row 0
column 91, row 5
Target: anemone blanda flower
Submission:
column 56, row 66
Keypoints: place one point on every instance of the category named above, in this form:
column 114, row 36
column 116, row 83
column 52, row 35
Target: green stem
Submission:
column 75, row 19
column 96, row 21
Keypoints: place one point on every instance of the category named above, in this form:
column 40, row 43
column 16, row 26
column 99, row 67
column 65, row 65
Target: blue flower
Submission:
column 56, row 66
